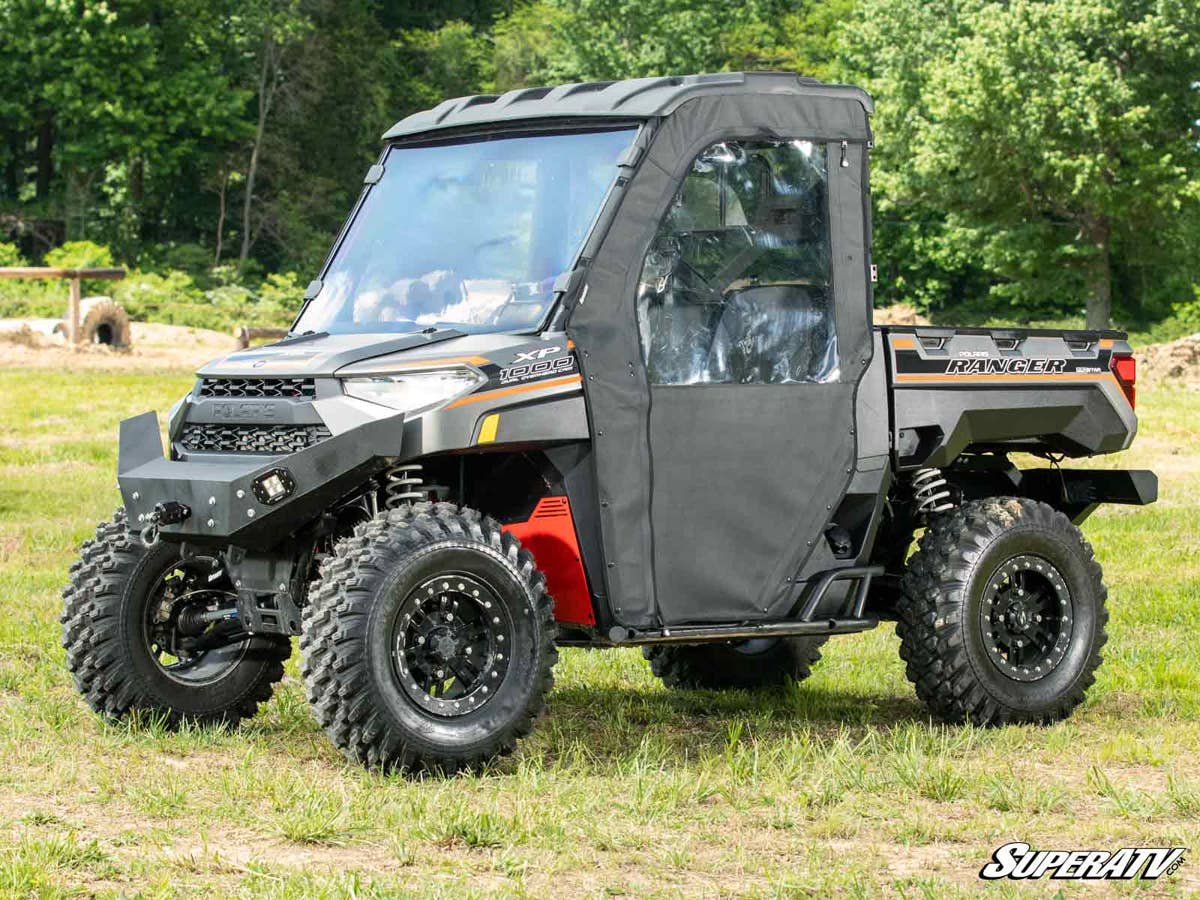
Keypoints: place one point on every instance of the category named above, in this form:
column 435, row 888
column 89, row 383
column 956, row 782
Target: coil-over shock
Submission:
column 403, row 484
column 931, row 492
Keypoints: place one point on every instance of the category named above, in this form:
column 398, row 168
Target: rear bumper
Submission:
column 228, row 500
column 1078, row 491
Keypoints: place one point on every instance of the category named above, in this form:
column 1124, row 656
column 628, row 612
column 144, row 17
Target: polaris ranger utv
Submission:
column 594, row 365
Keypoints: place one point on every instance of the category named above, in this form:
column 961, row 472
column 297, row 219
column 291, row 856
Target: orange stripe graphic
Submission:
column 992, row 379
column 518, row 389
column 416, row 363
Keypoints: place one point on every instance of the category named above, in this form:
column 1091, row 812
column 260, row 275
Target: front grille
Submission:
column 259, row 388
column 251, row 438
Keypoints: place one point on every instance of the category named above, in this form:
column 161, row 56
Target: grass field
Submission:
column 841, row 786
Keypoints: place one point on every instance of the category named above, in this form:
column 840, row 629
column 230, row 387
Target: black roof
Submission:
column 636, row 98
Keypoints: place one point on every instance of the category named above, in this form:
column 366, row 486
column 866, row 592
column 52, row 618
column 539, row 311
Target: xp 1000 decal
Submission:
column 531, row 370
column 535, row 369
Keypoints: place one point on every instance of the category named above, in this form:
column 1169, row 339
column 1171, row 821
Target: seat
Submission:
column 678, row 336
column 775, row 334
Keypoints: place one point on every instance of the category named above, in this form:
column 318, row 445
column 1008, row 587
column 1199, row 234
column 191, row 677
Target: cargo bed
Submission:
column 976, row 389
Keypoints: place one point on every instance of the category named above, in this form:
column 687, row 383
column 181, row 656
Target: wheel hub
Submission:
column 1019, row 617
column 1026, row 618
column 191, row 656
column 450, row 644
column 444, row 644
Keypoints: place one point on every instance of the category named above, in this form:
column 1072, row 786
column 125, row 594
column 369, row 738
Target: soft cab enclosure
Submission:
column 710, row 489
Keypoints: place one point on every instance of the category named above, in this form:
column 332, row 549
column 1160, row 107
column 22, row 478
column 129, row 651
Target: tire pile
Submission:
column 103, row 321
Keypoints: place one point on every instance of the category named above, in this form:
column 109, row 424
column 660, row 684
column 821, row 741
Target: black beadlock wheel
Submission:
column 1003, row 614
column 122, row 616
column 734, row 665
column 1025, row 618
column 451, row 644
column 428, row 641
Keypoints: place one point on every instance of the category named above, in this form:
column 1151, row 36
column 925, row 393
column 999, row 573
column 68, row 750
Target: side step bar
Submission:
column 816, row 589
column 803, row 625
column 700, row 634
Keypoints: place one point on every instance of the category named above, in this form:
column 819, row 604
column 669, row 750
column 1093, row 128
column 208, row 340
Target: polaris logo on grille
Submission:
column 1018, row 861
column 231, row 412
column 1017, row 366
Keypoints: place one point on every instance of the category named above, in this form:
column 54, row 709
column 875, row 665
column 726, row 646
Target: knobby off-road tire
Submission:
column 981, row 575
column 376, row 624
column 105, row 605
column 730, row 666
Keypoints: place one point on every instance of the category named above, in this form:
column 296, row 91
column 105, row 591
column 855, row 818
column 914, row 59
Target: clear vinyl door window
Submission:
column 735, row 288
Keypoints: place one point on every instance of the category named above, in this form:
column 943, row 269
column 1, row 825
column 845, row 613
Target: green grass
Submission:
column 839, row 786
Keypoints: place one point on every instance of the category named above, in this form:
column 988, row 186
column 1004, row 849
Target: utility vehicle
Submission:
column 594, row 365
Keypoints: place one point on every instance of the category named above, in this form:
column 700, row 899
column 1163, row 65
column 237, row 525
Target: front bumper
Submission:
column 226, row 498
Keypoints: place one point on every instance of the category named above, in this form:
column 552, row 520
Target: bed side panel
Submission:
column 1020, row 390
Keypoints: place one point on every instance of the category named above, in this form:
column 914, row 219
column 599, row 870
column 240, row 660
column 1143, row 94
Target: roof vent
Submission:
column 587, row 87
column 536, row 93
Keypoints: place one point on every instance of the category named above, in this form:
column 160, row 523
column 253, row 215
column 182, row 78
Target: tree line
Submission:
column 1033, row 158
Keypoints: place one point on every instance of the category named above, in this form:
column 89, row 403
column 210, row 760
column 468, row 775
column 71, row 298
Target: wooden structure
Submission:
column 75, row 276
column 245, row 335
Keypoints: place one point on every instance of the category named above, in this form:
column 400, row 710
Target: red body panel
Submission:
column 549, row 534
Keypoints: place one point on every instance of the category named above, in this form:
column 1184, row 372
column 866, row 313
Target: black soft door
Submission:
column 750, row 421
column 722, row 337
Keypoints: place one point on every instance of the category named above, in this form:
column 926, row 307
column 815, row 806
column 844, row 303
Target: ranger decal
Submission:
column 1017, row 366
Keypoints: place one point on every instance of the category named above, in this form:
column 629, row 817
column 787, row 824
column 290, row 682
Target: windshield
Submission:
column 467, row 235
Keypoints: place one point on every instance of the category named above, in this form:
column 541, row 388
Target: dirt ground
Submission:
column 30, row 344
column 899, row 314
column 1177, row 360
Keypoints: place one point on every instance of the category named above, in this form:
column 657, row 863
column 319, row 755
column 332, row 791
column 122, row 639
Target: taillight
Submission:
column 1124, row 369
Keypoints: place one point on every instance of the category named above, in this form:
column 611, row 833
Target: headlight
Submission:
column 415, row 392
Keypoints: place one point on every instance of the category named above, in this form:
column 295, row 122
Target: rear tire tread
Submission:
column 716, row 667
column 929, row 620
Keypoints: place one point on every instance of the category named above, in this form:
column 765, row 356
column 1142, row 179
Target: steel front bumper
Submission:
column 252, row 500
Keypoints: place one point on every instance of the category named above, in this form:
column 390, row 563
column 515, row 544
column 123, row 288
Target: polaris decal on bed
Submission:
column 534, row 371
column 1017, row 366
